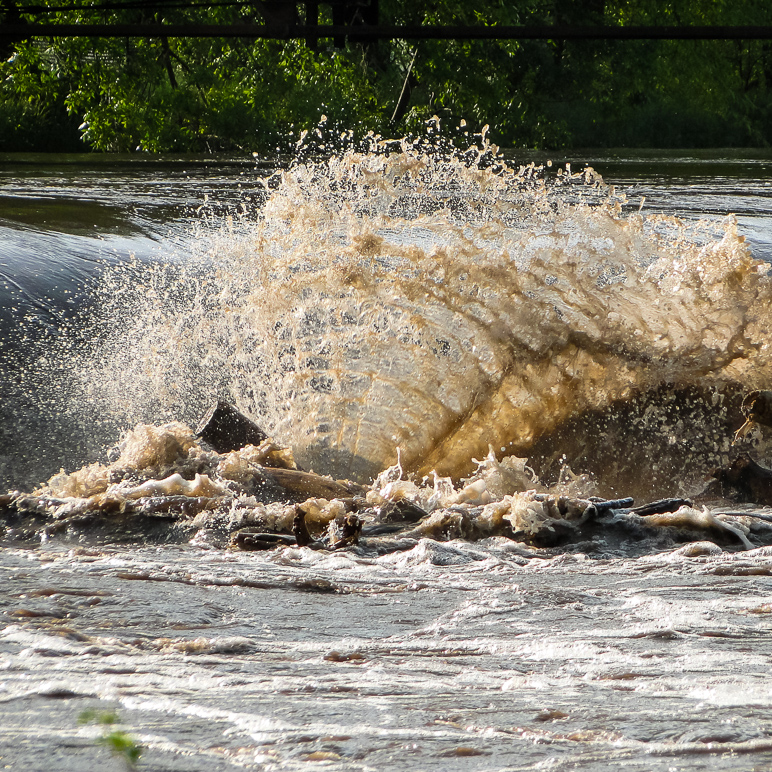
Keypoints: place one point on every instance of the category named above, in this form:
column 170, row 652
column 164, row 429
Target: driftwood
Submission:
column 307, row 485
column 233, row 512
column 352, row 527
column 300, row 529
column 757, row 409
column 401, row 511
column 226, row 429
column 260, row 541
column 661, row 506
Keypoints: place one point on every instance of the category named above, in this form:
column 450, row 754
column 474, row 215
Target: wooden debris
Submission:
column 171, row 509
column 757, row 409
column 661, row 506
column 300, row 529
column 352, row 527
column 252, row 541
column 307, row 485
column 401, row 511
column 598, row 507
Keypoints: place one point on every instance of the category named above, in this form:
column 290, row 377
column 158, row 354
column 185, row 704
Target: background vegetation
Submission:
column 183, row 95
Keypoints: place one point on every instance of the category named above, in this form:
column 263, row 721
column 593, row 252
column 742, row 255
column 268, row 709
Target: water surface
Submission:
column 367, row 304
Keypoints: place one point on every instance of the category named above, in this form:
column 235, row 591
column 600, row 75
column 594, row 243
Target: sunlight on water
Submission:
column 453, row 308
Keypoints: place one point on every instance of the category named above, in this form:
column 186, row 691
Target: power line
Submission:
column 383, row 32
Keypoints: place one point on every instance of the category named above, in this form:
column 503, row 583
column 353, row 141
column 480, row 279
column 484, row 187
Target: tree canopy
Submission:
column 238, row 94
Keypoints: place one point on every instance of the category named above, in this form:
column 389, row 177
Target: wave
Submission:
column 442, row 304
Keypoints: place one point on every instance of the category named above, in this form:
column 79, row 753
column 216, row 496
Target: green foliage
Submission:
column 26, row 127
column 94, row 716
column 120, row 743
column 193, row 95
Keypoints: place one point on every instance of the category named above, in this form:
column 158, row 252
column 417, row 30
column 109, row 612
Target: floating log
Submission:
column 599, row 506
column 307, row 485
column 661, row 506
column 260, row 541
column 226, row 429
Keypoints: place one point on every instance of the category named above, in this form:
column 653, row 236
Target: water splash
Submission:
column 432, row 302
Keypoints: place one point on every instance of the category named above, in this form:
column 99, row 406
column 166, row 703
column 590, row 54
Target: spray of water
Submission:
column 441, row 303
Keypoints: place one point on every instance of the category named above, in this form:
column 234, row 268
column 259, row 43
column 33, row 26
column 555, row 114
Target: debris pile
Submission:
column 169, row 483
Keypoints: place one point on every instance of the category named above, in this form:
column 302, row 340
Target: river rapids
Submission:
column 481, row 368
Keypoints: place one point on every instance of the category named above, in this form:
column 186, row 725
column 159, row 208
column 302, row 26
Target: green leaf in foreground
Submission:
column 120, row 743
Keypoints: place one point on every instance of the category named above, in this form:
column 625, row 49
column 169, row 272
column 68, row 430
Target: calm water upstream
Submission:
column 605, row 330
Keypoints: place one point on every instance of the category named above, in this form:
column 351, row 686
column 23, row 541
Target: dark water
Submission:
column 64, row 221
column 62, row 218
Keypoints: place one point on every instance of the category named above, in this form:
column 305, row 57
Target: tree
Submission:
column 259, row 95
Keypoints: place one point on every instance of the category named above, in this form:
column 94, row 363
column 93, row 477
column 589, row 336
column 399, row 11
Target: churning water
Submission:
column 393, row 302
column 432, row 303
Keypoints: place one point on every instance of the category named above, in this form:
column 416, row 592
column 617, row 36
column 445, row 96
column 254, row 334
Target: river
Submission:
column 355, row 306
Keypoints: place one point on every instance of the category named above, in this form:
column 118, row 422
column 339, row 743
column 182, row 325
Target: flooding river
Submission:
column 381, row 300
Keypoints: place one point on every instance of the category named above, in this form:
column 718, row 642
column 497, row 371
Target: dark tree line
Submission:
column 200, row 94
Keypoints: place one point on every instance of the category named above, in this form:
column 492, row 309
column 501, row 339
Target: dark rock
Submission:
column 744, row 480
column 226, row 429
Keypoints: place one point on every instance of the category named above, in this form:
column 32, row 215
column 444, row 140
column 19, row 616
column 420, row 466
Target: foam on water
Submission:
column 444, row 651
column 439, row 304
